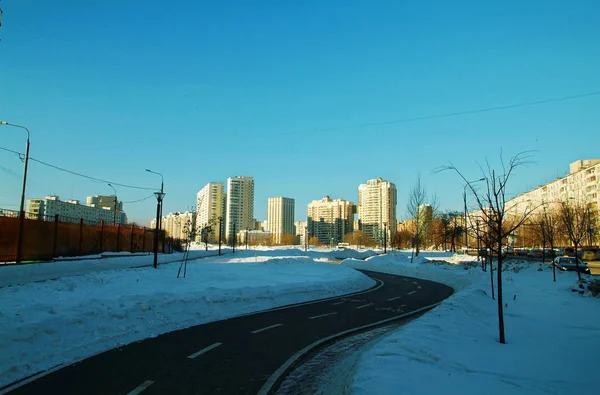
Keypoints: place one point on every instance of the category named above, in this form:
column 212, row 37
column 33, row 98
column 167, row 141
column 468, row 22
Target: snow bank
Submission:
column 551, row 334
column 43, row 324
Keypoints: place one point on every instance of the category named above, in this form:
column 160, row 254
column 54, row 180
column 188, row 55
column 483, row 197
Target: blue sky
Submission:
column 201, row 91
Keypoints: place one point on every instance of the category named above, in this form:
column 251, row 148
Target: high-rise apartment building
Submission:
column 301, row 228
column 176, row 225
column 582, row 185
column 210, row 205
column 280, row 217
column 329, row 220
column 240, row 205
column 377, row 201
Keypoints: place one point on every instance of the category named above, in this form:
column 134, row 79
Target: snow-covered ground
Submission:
column 552, row 333
column 56, row 313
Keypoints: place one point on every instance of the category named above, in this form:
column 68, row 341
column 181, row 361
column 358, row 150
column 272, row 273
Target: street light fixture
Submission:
column 159, row 199
column 115, row 205
column 465, row 201
column 22, row 206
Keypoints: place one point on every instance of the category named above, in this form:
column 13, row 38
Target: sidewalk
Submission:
column 26, row 273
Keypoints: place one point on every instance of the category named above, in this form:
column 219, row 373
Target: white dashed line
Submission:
column 266, row 328
column 418, row 287
column 322, row 315
column 402, row 305
column 141, row 387
column 336, row 303
column 397, row 297
column 411, row 292
column 206, row 349
column 365, row 305
column 416, row 283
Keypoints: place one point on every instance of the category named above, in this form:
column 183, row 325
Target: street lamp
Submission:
column 115, row 206
column 159, row 199
column 22, row 206
column 465, row 200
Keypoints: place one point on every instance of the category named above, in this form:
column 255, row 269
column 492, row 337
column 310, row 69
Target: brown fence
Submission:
column 44, row 240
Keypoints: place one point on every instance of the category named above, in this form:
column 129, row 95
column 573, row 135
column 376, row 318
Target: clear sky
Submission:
column 201, row 91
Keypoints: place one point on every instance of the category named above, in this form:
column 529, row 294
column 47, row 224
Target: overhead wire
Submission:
column 21, row 156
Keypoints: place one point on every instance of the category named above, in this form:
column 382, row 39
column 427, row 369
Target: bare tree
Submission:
column 501, row 221
column 576, row 219
column 421, row 214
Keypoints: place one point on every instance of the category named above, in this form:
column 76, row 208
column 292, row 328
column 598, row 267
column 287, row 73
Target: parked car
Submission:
column 535, row 253
column 587, row 255
column 565, row 263
column 568, row 251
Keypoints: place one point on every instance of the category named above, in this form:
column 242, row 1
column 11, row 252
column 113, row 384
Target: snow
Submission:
column 56, row 313
column 552, row 334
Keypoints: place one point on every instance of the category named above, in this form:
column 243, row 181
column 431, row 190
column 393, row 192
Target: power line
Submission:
column 454, row 114
column 77, row 174
column 140, row 200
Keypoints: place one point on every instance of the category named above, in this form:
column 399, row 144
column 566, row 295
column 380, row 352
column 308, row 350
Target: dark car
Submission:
column 568, row 264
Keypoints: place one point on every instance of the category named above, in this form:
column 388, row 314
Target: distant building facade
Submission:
column 300, row 230
column 73, row 211
column 176, row 225
column 280, row 217
column 240, row 205
column 329, row 220
column 210, row 205
column 377, row 200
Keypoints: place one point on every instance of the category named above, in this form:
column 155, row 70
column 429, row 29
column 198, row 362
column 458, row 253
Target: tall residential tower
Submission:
column 377, row 208
column 329, row 220
column 280, row 217
column 240, row 205
column 209, row 207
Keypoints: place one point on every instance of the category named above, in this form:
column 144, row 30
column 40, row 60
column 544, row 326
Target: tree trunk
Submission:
column 500, row 306
column 577, row 263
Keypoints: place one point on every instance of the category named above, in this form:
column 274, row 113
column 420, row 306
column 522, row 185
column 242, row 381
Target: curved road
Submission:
column 244, row 355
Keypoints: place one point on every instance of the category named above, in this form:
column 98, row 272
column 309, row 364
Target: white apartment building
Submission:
column 240, row 205
column 73, row 211
column 280, row 217
column 176, row 225
column 329, row 220
column 377, row 200
column 301, row 228
column 582, row 185
column 210, row 205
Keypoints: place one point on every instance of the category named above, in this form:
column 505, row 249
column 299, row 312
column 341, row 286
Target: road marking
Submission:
column 141, row 387
column 322, row 315
column 416, row 283
column 402, row 305
column 268, row 385
column 206, row 349
column 266, row 328
column 418, row 287
column 365, row 305
column 32, row 378
column 397, row 297
column 336, row 303
column 411, row 292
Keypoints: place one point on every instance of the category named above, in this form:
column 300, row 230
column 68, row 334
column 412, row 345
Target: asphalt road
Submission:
column 244, row 355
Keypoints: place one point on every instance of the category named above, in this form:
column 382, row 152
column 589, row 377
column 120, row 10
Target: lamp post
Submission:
column 234, row 237
column 22, row 206
column 115, row 206
column 465, row 201
column 220, row 224
column 384, row 237
column 162, row 190
column 305, row 239
column 246, row 238
column 159, row 199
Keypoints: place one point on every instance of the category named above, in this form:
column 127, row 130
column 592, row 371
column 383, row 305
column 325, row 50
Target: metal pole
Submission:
column 22, row 206
column 384, row 238
column 234, row 237
column 246, row 239
column 305, row 238
column 466, row 227
column 156, row 233
column 115, row 206
column 220, row 222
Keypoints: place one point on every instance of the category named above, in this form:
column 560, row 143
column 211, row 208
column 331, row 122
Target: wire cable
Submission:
column 21, row 156
column 454, row 114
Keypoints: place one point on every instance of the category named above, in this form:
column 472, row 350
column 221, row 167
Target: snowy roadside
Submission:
column 47, row 323
column 552, row 335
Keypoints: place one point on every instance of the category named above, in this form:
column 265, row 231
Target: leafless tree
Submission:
column 576, row 219
column 501, row 221
column 417, row 212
